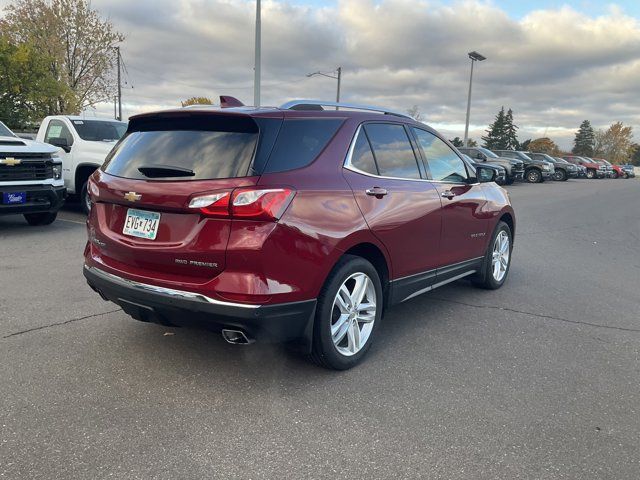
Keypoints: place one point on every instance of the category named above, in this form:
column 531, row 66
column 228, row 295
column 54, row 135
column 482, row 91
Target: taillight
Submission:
column 245, row 203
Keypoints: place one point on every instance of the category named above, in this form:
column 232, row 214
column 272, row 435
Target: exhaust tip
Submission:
column 236, row 337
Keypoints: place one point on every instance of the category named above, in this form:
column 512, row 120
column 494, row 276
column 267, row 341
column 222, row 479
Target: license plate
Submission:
column 141, row 224
column 14, row 198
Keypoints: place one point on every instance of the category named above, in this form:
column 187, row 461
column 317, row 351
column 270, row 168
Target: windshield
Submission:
column 523, row 156
column 4, row 131
column 488, row 153
column 100, row 130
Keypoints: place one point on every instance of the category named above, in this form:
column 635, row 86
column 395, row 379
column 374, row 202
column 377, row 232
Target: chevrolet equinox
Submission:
column 298, row 224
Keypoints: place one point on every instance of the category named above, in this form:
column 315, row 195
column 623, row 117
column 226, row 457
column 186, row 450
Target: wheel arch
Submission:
column 83, row 172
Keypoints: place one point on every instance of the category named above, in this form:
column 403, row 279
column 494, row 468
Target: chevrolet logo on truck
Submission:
column 132, row 196
column 11, row 162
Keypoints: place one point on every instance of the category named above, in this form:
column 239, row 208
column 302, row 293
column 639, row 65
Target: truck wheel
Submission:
column 348, row 314
column 497, row 260
column 85, row 200
column 39, row 219
column 560, row 175
column 533, row 175
column 591, row 174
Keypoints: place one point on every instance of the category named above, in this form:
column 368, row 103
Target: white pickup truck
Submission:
column 30, row 179
column 84, row 144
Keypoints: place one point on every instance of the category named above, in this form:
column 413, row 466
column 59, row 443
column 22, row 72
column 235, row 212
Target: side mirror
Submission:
column 481, row 156
column 485, row 174
column 60, row 142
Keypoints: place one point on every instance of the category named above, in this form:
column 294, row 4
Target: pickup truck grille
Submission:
column 28, row 171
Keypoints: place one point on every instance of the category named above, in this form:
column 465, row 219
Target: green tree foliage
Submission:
column 26, row 84
column 544, row 145
column 80, row 46
column 494, row 139
column 635, row 157
column 196, row 101
column 584, row 142
column 525, row 145
column 457, row 142
column 510, row 132
column 502, row 133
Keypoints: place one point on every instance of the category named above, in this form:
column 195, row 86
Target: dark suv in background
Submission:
column 514, row 167
column 535, row 171
column 562, row 170
column 294, row 224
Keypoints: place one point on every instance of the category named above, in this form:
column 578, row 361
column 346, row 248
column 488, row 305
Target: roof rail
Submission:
column 318, row 104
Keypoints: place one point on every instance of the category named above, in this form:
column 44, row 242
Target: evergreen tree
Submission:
column 584, row 142
column 510, row 138
column 525, row 145
column 495, row 133
column 456, row 142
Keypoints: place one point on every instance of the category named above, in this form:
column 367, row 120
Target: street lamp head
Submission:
column 476, row 56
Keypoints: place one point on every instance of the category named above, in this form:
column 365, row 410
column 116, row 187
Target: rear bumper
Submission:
column 40, row 199
column 286, row 322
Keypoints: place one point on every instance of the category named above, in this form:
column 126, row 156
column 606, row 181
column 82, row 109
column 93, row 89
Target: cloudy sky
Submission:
column 554, row 63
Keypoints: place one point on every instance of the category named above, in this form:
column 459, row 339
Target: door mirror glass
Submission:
column 485, row 174
column 61, row 142
column 481, row 156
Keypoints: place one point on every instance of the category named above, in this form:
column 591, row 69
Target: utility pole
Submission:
column 256, row 78
column 115, row 107
column 335, row 77
column 119, row 117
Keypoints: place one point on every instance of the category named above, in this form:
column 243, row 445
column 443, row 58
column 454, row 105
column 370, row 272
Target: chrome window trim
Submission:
column 349, row 166
column 167, row 291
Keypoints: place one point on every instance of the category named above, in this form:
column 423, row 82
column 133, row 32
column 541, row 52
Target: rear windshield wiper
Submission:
column 161, row 171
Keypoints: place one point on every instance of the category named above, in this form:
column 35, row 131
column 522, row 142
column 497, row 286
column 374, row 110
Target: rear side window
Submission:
column 362, row 157
column 183, row 154
column 300, row 141
column 99, row 130
column 392, row 150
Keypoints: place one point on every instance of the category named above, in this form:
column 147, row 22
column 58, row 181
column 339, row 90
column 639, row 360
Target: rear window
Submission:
column 99, row 131
column 183, row 154
column 300, row 141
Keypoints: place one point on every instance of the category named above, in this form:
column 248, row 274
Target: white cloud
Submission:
column 554, row 68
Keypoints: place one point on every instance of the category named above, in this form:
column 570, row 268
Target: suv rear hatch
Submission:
column 162, row 198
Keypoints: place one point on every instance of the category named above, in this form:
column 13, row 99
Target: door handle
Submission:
column 448, row 194
column 377, row 192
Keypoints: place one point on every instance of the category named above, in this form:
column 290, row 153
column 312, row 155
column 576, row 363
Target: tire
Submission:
column 510, row 180
column 614, row 174
column 487, row 278
column 40, row 219
column 560, row 175
column 533, row 175
column 591, row 174
column 85, row 200
column 344, row 353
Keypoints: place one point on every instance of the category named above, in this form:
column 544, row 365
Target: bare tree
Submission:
column 414, row 112
column 79, row 43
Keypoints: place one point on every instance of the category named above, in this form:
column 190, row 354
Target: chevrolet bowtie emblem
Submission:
column 10, row 161
column 132, row 196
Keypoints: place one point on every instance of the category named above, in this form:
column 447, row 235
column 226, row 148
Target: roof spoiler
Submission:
column 227, row 101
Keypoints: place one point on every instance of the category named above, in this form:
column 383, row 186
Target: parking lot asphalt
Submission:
column 538, row 380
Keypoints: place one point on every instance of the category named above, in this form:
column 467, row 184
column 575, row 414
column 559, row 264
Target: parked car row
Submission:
column 535, row 167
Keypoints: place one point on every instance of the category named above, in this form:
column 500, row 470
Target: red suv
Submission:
column 294, row 224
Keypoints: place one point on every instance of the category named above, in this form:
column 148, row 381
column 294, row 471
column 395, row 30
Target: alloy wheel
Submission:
column 501, row 255
column 353, row 314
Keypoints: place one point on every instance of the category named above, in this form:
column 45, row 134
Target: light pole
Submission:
column 335, row 77
column 475, row 57
column 256, row 77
